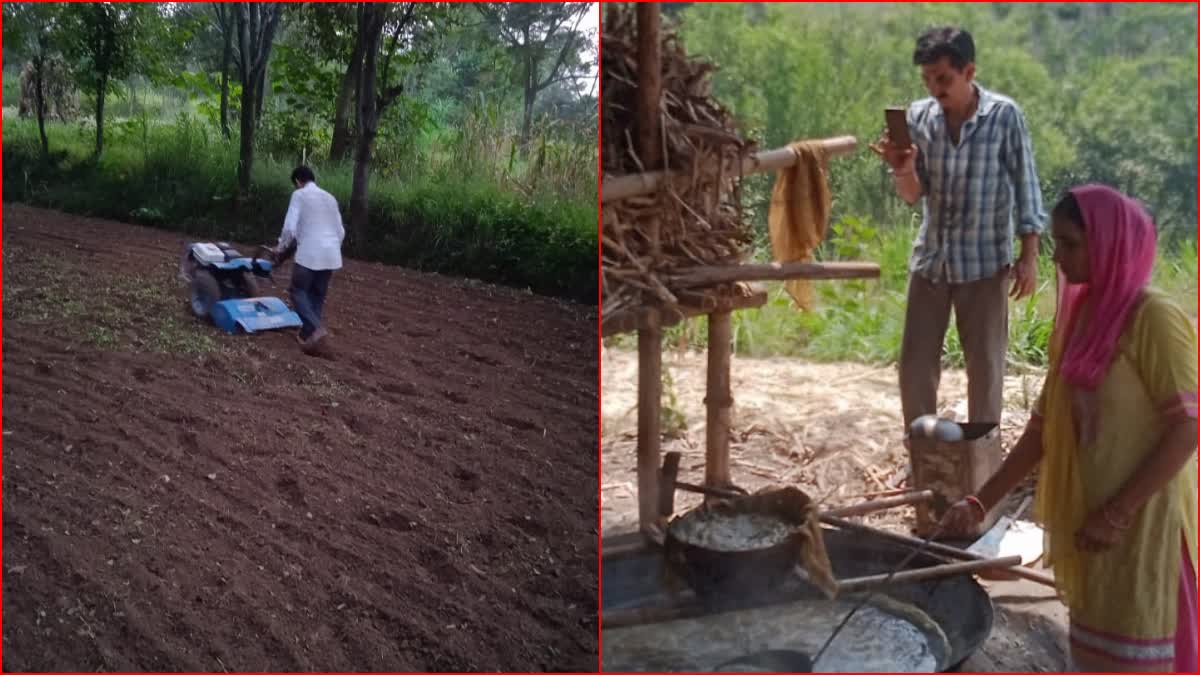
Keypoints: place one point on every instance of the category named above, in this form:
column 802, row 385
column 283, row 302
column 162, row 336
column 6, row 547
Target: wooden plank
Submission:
column 627, row 321
column 616, row 188
column 718, row 400
column 719, row 274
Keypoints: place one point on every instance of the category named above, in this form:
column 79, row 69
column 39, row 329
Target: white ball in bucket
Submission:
column 924, row 426
column 947, row 431
column 932, row 426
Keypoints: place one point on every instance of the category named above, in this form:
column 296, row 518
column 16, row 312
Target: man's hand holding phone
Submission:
column 895, row 145
column 902, row 160
column 896, row 148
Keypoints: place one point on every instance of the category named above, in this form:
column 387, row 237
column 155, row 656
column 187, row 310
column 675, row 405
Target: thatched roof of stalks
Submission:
column 699, row 215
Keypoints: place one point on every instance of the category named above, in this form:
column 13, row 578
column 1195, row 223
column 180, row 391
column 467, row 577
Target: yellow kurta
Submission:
column 1131, row 590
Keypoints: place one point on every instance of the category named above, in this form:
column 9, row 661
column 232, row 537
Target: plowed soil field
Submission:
column 424, row 497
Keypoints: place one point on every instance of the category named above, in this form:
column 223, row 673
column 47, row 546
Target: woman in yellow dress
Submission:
column 1114, row 438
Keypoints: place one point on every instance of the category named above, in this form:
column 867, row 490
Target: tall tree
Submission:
column 28, row 31
column 329, row 29
column 546, row 40
column 227, row 27
column 373, row 94
column 105, row 41
column 256, row 23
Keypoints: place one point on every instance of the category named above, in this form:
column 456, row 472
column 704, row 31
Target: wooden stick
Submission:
column 623, row 187
column 934, row 547
column 684, row 605
column 926, row 573
column 880, row 504
column 719, row 274
column 724, row 493
column 718, row 400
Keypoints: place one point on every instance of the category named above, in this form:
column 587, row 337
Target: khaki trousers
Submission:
column 981, row 315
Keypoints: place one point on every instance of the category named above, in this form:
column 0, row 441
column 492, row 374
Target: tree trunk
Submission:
column 246, row 155
column 370, row 27
column 256, row 24
column 339, row 149
column 359, row 191
column 39, row 95
column 259, row 88
column 527, row 122
column 102, row 85
column 226, row 60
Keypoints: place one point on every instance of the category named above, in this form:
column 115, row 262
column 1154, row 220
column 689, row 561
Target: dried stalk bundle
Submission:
column 699, row 215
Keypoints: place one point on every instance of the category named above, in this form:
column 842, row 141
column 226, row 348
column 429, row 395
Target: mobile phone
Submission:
column 897, row 125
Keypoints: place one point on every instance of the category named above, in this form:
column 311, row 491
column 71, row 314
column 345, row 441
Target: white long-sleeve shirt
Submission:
column 315, row 223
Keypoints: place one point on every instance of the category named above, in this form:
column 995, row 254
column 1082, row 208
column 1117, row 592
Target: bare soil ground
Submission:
column 834, row 431
column 175, row 498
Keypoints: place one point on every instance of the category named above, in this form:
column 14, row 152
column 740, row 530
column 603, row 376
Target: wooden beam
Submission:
column 628, row 319
column 712, row 275
column 616, row 188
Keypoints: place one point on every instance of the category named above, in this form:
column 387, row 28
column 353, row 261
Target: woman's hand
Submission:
column 1101, row 531
column 962, row 516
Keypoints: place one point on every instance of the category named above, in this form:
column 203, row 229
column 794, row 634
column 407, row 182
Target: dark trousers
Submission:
column 308, row 291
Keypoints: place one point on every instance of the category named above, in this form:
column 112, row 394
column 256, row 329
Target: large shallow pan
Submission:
column 959, row 605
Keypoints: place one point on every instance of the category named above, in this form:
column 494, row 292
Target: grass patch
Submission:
column 322, row 385
column 181, row 176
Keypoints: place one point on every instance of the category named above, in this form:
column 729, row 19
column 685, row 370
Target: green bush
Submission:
column 181, row 176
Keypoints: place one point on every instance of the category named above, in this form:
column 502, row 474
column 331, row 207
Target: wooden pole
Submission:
column 649, row 85
column 650, row 332
column 685, row 605
column 880, row 504
column 718, row 400
column 926, row 573
column 623, row 187
column 712, row 275
column 934, row 547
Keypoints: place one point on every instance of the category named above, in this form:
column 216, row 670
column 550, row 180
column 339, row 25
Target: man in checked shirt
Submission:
column 972, row 161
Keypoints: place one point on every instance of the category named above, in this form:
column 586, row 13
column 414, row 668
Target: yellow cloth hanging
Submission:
column 799, row 214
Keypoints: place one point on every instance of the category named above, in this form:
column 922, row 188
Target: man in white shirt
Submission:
column 314, row 226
